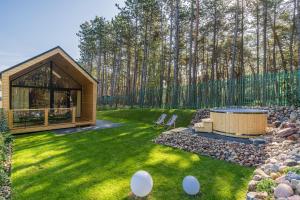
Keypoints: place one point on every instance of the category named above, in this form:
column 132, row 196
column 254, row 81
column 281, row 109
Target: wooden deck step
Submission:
column 205, row 126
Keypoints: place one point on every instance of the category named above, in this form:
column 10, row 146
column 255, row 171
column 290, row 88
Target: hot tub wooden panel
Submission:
column 239, row 123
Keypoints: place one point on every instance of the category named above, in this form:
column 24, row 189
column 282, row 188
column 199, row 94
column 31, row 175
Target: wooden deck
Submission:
column 45, row 124
column 50, row 127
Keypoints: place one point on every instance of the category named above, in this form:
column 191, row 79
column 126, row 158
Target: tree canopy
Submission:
column 158, row 52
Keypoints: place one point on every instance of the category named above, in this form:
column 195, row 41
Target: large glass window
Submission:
column 47, row 86
column 20, row 98
column 25, row 98
column 39, row 77
column 63, row 80
column 39, row 98
column 61, row 99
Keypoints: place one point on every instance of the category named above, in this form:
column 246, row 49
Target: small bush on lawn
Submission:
column 266, row 185
column 5, row 154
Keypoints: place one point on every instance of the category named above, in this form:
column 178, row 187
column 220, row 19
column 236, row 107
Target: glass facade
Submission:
column 61, row 79
column 39, row 77
column 47, row 86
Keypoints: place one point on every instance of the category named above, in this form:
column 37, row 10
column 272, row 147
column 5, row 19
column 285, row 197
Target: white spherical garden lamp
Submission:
column 191, row 185
column 141, row 183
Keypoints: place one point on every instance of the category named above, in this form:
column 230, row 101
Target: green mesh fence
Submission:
column 281, row 88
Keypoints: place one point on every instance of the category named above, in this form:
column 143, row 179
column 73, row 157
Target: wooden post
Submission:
column 10, row 119
column 74, row 115
column 46, row 116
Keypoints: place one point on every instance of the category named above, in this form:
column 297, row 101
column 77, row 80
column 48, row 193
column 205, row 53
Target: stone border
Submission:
column 281, row 171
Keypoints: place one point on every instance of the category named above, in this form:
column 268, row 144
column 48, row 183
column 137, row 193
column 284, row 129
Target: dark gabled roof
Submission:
column 57, row 47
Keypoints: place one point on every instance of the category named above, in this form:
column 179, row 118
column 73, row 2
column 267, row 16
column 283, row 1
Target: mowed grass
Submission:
column 99, row 164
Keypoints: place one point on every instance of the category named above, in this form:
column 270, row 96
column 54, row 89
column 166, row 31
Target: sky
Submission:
column 30, row 27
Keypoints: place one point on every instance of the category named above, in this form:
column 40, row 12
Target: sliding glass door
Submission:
column 68, row 99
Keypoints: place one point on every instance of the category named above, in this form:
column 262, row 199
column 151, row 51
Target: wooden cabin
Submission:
column 48, row 91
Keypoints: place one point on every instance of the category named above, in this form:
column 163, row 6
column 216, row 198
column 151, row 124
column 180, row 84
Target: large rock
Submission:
column 283, row 191
column 256, row 177
column 276, row 124
column 280, row 179
column 275, row 168
column 294, row 197
column 274, row 175
column 293, row 137
column 293, row 116
column 297, row 189
column 257, row 195
column 292, row 175
column 261, row 173
column 295, row 183
column 287, row 132
column 252, row 186
column 290, row 162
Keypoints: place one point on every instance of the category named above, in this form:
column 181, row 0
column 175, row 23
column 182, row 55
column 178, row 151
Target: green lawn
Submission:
column 99, row 164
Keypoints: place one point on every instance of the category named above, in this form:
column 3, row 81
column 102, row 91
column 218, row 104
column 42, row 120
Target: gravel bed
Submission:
column 245, row 154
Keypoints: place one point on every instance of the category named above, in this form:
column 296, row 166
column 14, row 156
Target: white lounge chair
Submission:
column 171, row 122
column 161, row 120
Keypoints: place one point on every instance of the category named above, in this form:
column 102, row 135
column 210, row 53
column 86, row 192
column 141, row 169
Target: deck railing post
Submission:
column 74, row 115
column 10, row 119
column 46, row 116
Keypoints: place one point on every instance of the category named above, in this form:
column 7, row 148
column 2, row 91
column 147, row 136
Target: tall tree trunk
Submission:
column 194, row 82
column 118, row 72
column 135, row 71
column 274, row 38
column 190, row 53
column 103, row 74
column 99, row 64
column 257, row 37
column 298, row 44
column 231, row 86
column 279, row 44
column 298, row 31
column 113, row 80
column 128, row 82
column 242, row 42
column 106, row 85
column 170, row 54
column 291, row 46
column 162, row 58
column 265, row 14
column 234, row 44
column 144, row 66
column 176, row 58
column 213, row 55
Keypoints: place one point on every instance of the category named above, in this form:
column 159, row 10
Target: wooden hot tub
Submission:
column 239, row 121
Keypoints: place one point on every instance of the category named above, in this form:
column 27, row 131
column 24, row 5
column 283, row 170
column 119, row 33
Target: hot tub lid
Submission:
column 239, row 110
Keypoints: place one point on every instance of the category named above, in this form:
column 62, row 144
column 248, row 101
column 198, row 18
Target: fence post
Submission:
column 74, row 115
column 46, row 122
